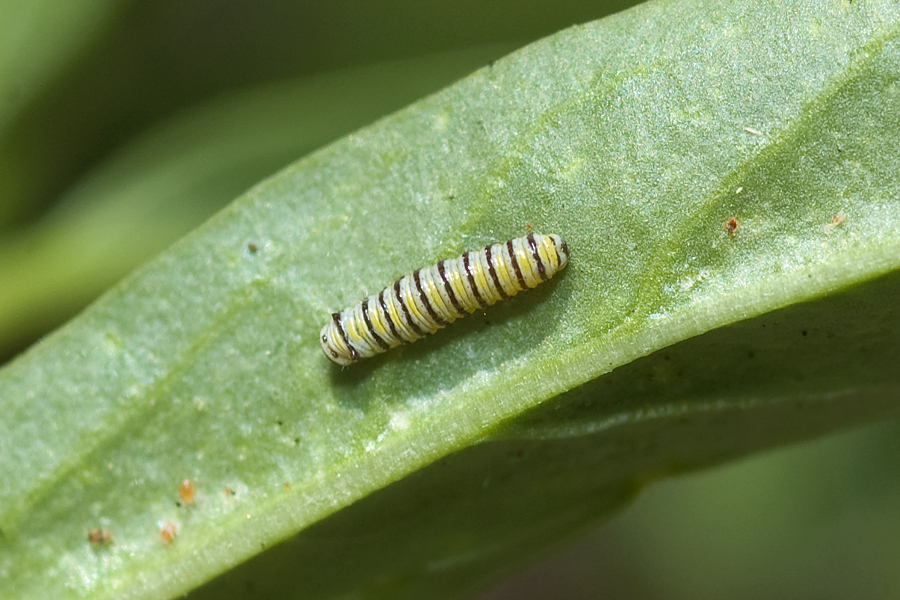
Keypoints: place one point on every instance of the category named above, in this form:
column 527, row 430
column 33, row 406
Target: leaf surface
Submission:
column 637, row 138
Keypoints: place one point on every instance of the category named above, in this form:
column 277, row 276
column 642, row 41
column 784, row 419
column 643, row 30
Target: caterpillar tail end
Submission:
column 562, row 250
column 334, row 347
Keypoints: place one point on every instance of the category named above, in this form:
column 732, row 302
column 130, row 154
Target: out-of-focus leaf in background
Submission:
column 429, row 471
column 814, row 520
column 40, row 41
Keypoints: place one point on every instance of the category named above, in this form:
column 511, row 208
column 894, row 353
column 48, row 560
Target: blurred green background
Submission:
column 815, row 520
column 123, row 125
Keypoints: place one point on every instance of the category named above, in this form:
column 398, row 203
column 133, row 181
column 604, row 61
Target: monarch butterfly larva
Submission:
column 431, row 298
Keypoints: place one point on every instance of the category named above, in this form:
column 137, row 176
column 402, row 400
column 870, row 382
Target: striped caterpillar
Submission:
column 433, row 297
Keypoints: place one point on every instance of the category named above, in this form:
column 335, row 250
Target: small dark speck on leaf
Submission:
column 167, row 532
column 187, row 491
column 732, row 226
column 836, row 221
column 252, row 247
column 100, row 537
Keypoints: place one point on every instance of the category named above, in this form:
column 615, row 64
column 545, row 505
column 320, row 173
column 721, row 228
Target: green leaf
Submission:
column 39, row 40
column 637, row 138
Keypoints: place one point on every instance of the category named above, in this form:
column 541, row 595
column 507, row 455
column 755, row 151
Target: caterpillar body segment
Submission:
column 433, row 297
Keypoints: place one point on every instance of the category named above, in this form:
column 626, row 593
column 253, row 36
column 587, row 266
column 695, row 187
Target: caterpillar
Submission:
column 433, row 297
